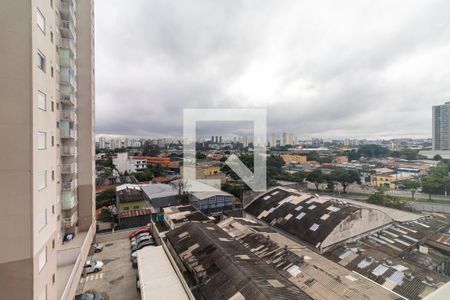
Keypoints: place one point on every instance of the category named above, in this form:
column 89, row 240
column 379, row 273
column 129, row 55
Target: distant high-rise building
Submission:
column 290, row 139
column 220, row 139
column 212, row 139
column 47, row 174
column 273, row 140
column 283, row 139
column 102, row 143
column 441, row 127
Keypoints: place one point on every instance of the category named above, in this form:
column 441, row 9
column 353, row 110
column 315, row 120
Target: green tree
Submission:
column 150, row 149
column 317, row 177
column 345, row 177
column 437, row 157
column 200, row 155
column 432, row 185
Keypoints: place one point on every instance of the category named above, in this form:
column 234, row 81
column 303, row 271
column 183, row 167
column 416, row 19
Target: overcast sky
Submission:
column 341, row 69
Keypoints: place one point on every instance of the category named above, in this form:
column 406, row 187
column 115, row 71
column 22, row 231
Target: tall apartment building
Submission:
column 47, row 152
column 441, row 127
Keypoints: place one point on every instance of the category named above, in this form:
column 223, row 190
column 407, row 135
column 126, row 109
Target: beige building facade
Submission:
column 47, row 154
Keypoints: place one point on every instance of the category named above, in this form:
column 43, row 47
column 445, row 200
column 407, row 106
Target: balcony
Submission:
column 67, row 95
column 67, row 10
column 68, row 150
column 68, row 44
column 66, row 58
column 68, row 200
column 69, row 222
column 68, row 186
column 68, row 169
column 68, row 115
column 67, row 133
column 67, row 29
column 67, row 77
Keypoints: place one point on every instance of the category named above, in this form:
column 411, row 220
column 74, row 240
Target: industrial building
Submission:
column 319, row 221
column 220, row 267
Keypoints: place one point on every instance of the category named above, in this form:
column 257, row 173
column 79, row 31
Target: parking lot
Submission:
column 117, row 280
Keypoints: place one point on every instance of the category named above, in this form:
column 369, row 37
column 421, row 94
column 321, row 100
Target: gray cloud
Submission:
column 321, row 68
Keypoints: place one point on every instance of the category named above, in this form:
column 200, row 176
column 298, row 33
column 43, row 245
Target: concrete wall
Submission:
column 86, row 114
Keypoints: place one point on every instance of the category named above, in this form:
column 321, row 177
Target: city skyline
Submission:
column 316, row 69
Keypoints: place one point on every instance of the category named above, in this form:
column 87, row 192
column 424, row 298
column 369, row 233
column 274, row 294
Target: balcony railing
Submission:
column 69, row 185
column 69, row 222
column 67, row 77
column 68, row 115
column 68, row 44
column 67, row 10
column 68, row 200
column 66, row 59
column 67, row 29
column 68, row 94
column 68, row 168
column 68, row 133
column 68, row 150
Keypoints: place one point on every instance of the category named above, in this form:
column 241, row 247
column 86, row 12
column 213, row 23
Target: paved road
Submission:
column 355, row 188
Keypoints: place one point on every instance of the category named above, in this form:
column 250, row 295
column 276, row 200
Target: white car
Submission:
column 141, row 239
column 93, row 266
column 141, row 235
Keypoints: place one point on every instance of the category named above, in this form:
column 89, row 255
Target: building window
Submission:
column 41, row 100
column 40, row 20
column 53, row 212
column 42, row 180
column 51, row 72
column 53, row 106
column 51, row 3
column 53, row 247
column 51, row 36
column 53, row 141
column 57, row 124
column 53, row 276
column 53, row 175
column 41, row 61
column 41, row 140
column 42, row 219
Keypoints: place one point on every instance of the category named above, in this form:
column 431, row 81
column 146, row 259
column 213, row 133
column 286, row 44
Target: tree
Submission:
column 345, row 177
column 432, row 184
column 411, row 185
column 437, row 157
column 200, row 155
column 182, row 187
column 145, row 175
column 150, row 150
column 317, row 177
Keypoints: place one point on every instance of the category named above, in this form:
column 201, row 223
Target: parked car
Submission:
column 97, row 247
column 89, row 296
column 142, row 245
column 141, row 230
column 140, row 239
column 140, row 235
column 93, row 266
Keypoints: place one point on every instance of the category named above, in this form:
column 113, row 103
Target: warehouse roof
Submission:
column 308, row 217
column 317, row 276
column 225, row 269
